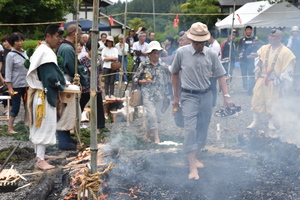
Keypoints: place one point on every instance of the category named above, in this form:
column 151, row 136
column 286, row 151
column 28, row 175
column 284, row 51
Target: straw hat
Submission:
column 110, row 38
column 295, row 28
column 154, row 45
column 198, row 32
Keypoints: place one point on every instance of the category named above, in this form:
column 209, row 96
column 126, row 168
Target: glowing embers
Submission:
column 131, row 192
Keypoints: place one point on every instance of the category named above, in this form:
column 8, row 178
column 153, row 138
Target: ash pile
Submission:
column 264, row 168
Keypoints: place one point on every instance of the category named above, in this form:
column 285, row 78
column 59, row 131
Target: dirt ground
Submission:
column 160, row 171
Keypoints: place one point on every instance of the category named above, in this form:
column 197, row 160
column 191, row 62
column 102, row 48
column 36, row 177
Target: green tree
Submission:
column 136, row 23
column 32, row 11
column 199, row 7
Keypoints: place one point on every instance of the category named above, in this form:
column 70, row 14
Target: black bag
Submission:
column 165, row 105
column 84, row 74
column 178, row 118
column 3, row 88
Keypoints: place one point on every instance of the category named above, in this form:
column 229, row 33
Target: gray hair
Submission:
column 142, row 32
column 121, row 36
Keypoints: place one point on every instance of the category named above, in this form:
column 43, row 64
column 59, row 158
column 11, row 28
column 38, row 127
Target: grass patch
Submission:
column 20, row 127
column 19, row 155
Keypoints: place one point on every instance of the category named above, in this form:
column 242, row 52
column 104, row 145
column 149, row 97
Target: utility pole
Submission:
column 154, row 29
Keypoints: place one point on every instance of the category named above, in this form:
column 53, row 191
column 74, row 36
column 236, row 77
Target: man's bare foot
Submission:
column 199, row 164
column 156, row 137
column 43, row 165
column 11, row 131
column 146, row 139
column 194, row 174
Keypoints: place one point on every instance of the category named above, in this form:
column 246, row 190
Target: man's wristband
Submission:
column 226, row 95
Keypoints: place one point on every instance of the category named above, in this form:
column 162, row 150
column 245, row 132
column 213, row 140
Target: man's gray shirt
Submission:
column 196, row 67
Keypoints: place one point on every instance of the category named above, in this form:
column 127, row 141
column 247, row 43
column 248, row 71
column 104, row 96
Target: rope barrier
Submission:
column 92, row 182
column 120, row 73
column 144, row 13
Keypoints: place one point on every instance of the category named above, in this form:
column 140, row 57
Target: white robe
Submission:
column 44, row 135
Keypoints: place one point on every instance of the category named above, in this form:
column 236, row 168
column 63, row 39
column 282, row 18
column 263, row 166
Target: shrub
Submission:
column 30, row 44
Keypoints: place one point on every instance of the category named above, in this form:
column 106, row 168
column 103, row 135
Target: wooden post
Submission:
column 93, row 92
column 127, row 108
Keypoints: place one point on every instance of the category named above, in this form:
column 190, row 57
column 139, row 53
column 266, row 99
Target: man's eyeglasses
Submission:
column 58, row 38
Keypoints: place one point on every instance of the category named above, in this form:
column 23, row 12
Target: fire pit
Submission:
column 228, row 174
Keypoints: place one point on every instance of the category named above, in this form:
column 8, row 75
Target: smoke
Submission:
column 287, row 115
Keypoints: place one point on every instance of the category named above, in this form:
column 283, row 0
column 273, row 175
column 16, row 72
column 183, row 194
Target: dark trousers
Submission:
column 109, row 82
column 16, row 101
column 229, row 73
column 85, row 97
column 213, row 85
column 247, row 75
column 244, row 73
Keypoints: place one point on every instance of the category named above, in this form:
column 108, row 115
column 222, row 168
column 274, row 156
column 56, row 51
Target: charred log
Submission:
column 271, row 149
column 42, row 190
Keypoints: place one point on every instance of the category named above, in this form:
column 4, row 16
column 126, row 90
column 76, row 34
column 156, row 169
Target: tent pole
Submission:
column 229, row 68
column 124, row 41
column 93, row 91
column 122, row 61
column 230, row 47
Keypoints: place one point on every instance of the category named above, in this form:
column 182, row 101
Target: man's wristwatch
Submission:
column 226, row 95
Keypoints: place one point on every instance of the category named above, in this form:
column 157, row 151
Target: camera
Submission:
column 138, row 52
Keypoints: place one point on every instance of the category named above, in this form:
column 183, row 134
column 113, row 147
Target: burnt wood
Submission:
column 42, row 190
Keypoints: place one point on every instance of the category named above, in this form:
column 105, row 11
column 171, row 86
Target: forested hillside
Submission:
column 164, row 21
column 146, row 6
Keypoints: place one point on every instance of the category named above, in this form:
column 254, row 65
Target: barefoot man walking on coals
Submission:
column 196, row 63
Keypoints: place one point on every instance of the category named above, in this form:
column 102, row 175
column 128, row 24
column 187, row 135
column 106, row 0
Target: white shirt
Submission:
column 81, row 55
column 109, row 52
column 215, row 47
column 120, row 49
column 101, row 47
column 143, row 48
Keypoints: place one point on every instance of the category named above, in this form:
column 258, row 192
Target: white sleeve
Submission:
column 126, row 48
column 103, row 53
column 134, row 47
column 286, row 77
column 115, row 53
column 287, row 74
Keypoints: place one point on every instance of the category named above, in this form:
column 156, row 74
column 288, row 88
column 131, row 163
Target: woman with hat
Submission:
column 109, row 55
column 151, row 77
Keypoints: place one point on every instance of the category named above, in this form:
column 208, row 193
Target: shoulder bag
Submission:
column 115, row 65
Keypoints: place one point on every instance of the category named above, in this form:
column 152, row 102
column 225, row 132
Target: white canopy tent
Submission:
column 263, row 15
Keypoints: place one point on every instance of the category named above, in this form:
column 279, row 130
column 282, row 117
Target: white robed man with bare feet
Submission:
column 45, row 80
